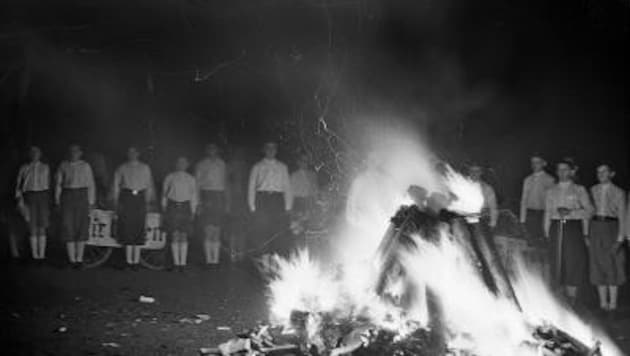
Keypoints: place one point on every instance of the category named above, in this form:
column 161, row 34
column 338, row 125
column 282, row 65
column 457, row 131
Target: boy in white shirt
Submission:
column 179, row 201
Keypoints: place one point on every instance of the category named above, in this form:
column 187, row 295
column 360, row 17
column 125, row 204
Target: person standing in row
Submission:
column 482, row 238
column 490, row 210
column 179, row 201
column 75, row 193
column 303, row 186
column 607, row 259
column 33, row 196
column 535, row 188
column 132, row 192
column 269, row 198
column 211, row 177
column 566, row 223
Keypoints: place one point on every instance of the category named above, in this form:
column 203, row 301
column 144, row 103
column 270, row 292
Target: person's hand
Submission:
column 618, row 244
column 563, row 212
column 587, row 241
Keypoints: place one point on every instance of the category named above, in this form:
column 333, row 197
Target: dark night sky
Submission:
column 488, row 81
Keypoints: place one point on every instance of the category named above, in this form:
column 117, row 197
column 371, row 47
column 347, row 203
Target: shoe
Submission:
column 76, row 265
column 135, row 267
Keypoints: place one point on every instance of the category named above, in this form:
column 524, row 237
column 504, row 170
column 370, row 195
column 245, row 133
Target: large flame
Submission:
column 476, row 319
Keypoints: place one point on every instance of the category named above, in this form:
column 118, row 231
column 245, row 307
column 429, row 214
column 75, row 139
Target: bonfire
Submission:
column 431, row 286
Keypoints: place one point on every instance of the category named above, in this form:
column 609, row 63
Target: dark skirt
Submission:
column 74, row 214
column 270, row 229
column 38, row 205
column 534, row 224
column 607, row 264
column 132, row 211
column 212, row 208
column 178, row 217
column 569, row 253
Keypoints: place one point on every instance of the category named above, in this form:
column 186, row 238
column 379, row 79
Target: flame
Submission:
column 302, row 284
column 468, row 198
column 475, row 319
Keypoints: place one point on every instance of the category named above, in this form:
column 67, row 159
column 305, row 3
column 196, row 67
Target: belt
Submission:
column 268, row 192
column 178, row 203
column 133, row 191
column 536, row 210
column 604, row 218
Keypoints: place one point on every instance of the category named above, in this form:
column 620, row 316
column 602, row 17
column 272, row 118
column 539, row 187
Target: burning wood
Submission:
column 555, row 342
column 256, row 342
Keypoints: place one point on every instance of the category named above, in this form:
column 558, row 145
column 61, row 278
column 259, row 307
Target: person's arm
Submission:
column 227, row 188
column 548, row 210
column 587, row 209
column 627, row 228
column 47, row 176
column 149, row 193
column 165, row 187
column 524, row 193
column 288, row 192
column 194, row 200
column 19, row 184
column 58, row 183
column 251, row 189
column 621, row 214
column 116, row 185
column 492, row 206
column 91, row 186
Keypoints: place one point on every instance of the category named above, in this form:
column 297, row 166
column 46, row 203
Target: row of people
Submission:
column 587, row 228
column 202, row 196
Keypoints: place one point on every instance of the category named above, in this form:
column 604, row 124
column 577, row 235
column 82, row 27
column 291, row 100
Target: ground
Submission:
column 101, row 306
column 101, row 314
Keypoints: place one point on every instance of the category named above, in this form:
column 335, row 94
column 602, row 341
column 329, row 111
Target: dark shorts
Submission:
column 178, row 217
column 132, row 211
column 569, row 253
column 534, row 224
column 38, row 205
column 607, row 264
column 212, row 208
column 270, row 229
column 74, row 214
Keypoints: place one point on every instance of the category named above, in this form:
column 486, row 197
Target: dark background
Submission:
column 485, row 81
